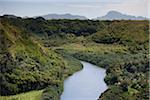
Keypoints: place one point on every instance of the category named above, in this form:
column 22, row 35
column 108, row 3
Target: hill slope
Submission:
column 27, row 65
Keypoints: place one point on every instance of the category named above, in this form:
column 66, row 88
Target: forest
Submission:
column 39, row 54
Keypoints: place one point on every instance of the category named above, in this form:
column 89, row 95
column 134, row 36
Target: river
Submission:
column 86, row 84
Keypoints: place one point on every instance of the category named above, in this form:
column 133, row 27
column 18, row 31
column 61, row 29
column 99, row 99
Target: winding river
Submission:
column 86, row 84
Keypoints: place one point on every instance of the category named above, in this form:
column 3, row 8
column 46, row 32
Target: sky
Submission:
column 87, row 8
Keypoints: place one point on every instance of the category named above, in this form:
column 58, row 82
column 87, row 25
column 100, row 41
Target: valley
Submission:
column 38, row 54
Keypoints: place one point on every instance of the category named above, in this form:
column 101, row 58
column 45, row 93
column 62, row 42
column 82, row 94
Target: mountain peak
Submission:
column 115, row 15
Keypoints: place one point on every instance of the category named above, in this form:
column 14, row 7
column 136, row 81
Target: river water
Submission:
column 86, row 84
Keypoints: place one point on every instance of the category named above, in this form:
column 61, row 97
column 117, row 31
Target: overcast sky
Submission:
column 88, row 8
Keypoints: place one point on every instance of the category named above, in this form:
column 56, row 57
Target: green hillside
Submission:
column 27, row 65
column 38, row 54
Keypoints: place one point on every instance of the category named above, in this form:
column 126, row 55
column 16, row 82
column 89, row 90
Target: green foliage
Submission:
column 123, row 32
column 38, row 53
column 26, row 64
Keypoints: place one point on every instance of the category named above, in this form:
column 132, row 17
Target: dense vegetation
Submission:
column 38, row 54
column 27, row 65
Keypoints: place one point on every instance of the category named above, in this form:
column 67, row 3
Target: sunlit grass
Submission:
column 95, row 48
column 33, row 95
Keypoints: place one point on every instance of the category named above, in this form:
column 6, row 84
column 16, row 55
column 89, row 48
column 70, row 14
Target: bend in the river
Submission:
column 86, row 84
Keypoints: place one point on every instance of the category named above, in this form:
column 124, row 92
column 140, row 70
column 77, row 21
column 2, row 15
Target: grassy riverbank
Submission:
column 33, row 95
column 120, row 77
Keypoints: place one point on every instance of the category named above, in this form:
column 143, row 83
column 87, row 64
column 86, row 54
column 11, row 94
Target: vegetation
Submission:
column 33, row 95
column 27, row 65
column 39, row 54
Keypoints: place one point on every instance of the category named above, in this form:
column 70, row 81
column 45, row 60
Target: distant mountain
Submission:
column 114, row 15
column 63, row 16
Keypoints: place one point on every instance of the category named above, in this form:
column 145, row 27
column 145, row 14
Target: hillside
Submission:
column 27, row 65
column 39, row 54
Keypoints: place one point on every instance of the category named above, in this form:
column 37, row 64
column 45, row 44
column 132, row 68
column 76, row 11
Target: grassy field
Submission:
column 95, row 48
column 33, row 95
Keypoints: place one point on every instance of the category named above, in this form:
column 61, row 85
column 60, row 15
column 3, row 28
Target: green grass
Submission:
column 94, row 48
column 33, row 95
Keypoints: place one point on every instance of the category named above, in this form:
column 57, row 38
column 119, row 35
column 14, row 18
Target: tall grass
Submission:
column 33, row 95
